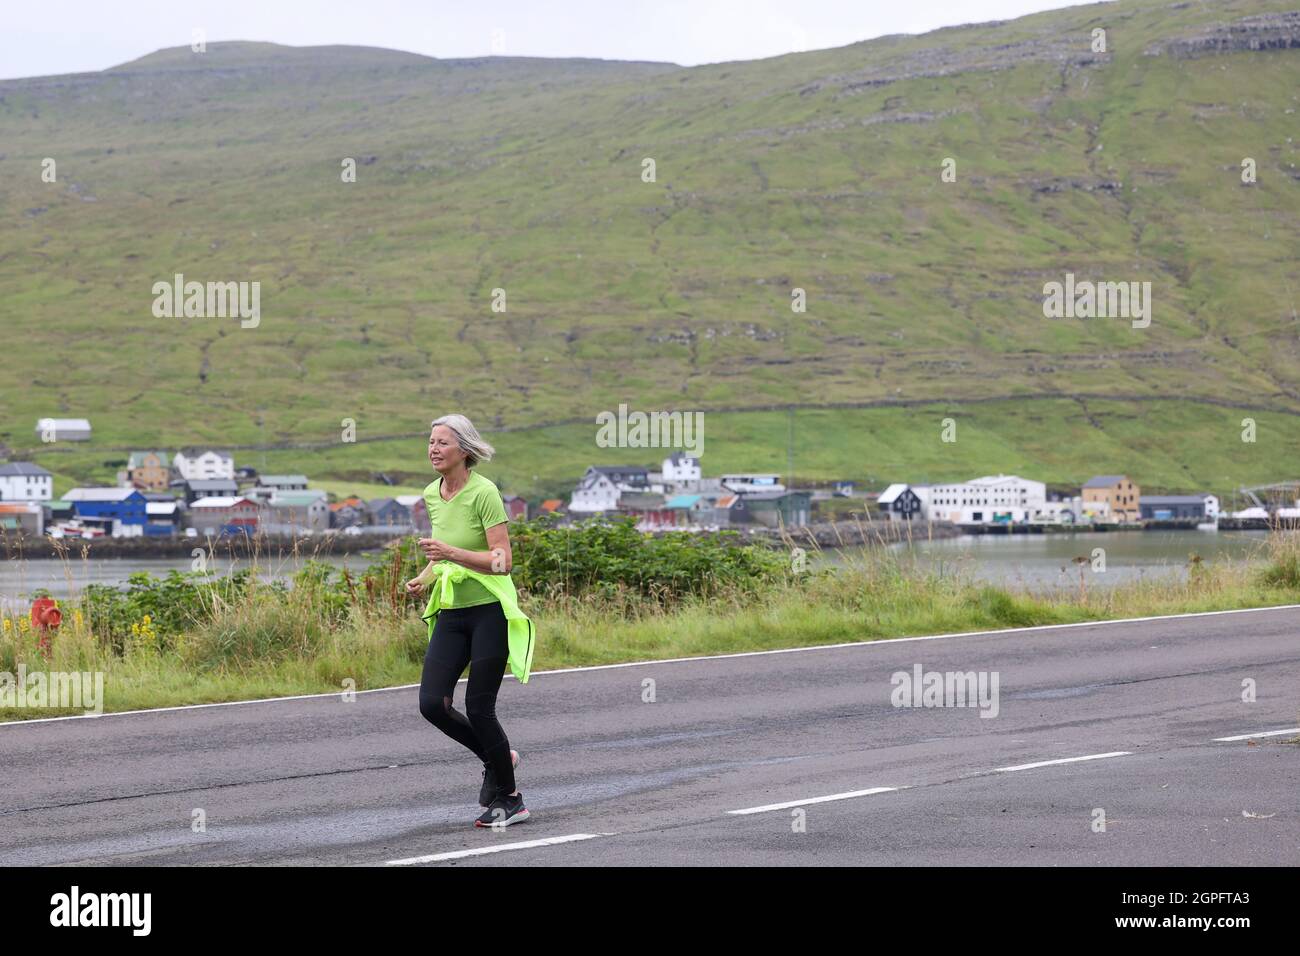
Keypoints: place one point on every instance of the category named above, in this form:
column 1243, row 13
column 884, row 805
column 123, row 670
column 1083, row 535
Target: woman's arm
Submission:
column 496, row 560
column 421, row 580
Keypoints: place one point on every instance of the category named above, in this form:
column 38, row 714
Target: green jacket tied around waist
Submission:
column 521, row 634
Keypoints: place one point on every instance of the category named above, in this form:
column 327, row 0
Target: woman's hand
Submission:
column 436, row 550
column 414, row 586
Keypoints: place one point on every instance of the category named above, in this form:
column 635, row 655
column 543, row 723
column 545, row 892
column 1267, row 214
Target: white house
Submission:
column 993, row 499
column 23, row 481
column 1211, row 507
column 595, row 492
column 1067, row 511
column 63, row 429
column 743, row 484
column 204, row 465
column 1097, row 512
column 680, row 468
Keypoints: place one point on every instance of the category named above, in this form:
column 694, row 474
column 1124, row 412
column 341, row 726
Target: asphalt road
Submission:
column 615, row 778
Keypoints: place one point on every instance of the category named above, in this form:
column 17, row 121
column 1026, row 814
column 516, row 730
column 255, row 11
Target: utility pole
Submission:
column 789, row 453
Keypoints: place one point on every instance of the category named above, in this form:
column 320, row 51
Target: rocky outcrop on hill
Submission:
column 1066, row 50
column 1272, row 31
column 1060, row 184
column 1269, row 31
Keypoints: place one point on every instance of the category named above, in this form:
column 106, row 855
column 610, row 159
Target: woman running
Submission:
column 469, row 532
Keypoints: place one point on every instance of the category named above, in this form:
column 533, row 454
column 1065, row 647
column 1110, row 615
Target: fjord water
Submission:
column 1041, row 562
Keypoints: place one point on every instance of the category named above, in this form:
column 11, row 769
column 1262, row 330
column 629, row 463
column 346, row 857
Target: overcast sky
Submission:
column 72, row 36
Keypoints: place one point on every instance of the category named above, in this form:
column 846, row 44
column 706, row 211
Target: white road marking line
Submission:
column 804, row 803
column 1053, row 763
column 683, row 660
column 500, row 848
column 222, row 703
column 884, row 641
column 1262, row 733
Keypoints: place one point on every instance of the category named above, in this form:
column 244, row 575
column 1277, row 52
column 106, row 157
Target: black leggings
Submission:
column 476, row 636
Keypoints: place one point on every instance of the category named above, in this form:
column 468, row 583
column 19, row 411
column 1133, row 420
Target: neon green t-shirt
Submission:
column 462, row 522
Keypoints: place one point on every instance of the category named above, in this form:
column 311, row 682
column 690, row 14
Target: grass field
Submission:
column 818, row 171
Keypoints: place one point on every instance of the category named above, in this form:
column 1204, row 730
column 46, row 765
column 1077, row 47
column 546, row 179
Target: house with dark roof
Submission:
column 389, row 514
column 1173, row 508
column 420, row 516
column 599, row 489
column 24, row 481
column 624, row 477
column 349, row 512
column 899, row 502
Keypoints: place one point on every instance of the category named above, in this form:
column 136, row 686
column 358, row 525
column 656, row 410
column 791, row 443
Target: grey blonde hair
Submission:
column 476, row 449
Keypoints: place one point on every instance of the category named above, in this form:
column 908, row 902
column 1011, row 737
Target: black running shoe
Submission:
column 504, row 811
column 488, row 791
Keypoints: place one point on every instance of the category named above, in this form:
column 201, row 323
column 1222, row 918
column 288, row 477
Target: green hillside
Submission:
column 819, row 171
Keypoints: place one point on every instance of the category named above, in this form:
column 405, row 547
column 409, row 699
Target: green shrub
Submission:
column 995, row 606
column 174, row 602
column 603, row 557
column 1283, row 567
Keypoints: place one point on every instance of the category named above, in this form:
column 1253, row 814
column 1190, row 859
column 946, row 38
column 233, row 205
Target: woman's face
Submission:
column 445, row 453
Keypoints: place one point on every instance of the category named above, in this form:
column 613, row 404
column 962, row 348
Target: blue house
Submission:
column 119, row 511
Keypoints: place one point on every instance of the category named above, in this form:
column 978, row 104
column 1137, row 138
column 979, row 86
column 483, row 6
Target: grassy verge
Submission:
column 257, row 640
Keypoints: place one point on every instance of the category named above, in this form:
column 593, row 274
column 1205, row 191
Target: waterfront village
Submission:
column 202, row 493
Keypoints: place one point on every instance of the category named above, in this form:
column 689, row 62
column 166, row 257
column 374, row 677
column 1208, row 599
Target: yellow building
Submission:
column 148, row 470
column 1119, row 494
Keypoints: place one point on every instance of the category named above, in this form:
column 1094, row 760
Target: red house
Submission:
column 224, row 515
